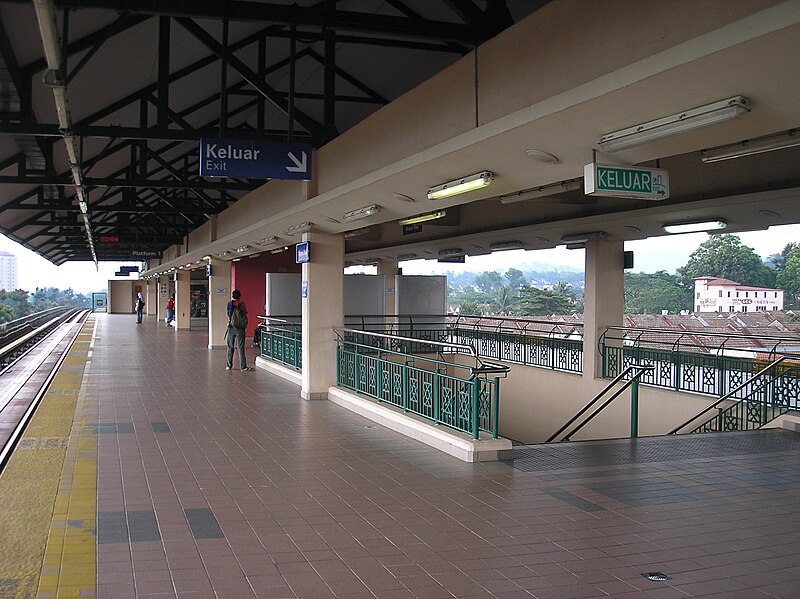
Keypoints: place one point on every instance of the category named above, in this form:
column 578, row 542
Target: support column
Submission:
column 151, row 302
column 183, row 300
column 389, row 269
column 219, row 292
column 604, row 300
column 163, row 295
column 322, row 309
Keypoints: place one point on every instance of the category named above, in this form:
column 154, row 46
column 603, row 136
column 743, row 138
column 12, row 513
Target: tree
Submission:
column 725, row 257
column 516, row 279
column 541, row 302
column 469, row 308
column 489, row 282
column 504, row 301
column 788, row 277
column 651, row 293
column 17, row 301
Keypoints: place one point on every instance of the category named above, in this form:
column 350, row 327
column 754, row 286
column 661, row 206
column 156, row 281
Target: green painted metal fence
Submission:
column 281, row 341
column 461, row 397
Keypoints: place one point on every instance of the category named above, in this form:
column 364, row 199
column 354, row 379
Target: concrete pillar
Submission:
column 219, row 292
column 151, row 302
column 604, row 300
column 183, row 300
column 322, row 291
column 163, row 296
column 390, row 269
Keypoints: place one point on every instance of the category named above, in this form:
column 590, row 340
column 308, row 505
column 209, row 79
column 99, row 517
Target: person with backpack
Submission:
column 237, row 329
column 139, row 307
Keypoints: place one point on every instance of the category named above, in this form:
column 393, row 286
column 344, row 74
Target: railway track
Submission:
column 31, row 350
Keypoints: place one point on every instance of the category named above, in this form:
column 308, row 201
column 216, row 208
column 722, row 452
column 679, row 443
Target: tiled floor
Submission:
column 227, row 484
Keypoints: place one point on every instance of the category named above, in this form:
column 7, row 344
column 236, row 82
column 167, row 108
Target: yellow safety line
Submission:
column 48, row 491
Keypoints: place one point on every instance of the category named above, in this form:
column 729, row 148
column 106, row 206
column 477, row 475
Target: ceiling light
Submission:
column 505, row 245
column 364, row 212
column 543, row 191
column 403, row 198
column 711, row 114
column 410, row 256
column 236, row 260
column 283, row 248
column 413, row 220
column 206, row 257
column 451, row 188
column 301, row 228
column 357, row 232
column 583, row 237
column 267, row 240
column 748, row 147
column 695, row 227
column 451, row 252
column 242, row 248
column 223, row 254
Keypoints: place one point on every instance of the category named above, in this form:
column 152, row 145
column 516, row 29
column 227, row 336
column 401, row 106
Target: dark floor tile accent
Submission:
column 160, row 427
column 574, row 500
column 649, row 492
column 142, row 526
column 112, row 527
column 203, row 524
column 112, row 428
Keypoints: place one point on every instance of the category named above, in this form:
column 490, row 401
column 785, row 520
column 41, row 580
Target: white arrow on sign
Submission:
column 300, row 166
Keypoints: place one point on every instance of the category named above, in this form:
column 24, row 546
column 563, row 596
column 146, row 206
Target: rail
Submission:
column 755, row 407
column 632, row 382
column 376, row 365
column 17, row 336
column 281, row 340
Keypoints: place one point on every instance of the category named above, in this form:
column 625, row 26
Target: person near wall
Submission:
column 139, row 307
column 170, row 309
column 237, row 327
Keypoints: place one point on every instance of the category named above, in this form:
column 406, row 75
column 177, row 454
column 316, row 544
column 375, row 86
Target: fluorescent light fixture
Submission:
column 695, row 227
column 236, row 260
column 223, row 254
column 748, row 147
column 413, row 220
column 505, row 245
column 364, row 212
column 242, row 248
column 410, row 256
column 451, row 252
column 283, row 248
column 451, row 188
column 301, row 228
column 206, row 257
column 357, row 232
column 578, row 238
column 543, row 191
column 703, row 116
column 267, row 240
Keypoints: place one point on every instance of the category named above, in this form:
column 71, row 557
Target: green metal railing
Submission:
column 693, row 361
column 629, row 378
column 769, row 393
column 281, row 341
column 460, row 397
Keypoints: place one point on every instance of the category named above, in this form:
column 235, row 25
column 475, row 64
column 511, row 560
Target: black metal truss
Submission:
column 163, row 199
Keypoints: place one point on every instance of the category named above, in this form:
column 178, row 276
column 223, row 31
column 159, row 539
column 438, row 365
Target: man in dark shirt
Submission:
column 237, row 327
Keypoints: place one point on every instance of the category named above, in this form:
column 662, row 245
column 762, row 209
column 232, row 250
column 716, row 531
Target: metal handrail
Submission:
column 729, row 395
column 482, row 367
column 777, row 339
column 635, row 378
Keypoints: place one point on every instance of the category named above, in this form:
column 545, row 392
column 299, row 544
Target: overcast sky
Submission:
column 650, row 255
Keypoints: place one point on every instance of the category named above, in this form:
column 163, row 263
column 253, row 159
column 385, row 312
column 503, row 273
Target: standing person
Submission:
column 237, row 327
column 139, row 308
column 170, row 309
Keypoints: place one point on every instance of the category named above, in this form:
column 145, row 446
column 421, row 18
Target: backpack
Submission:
column 238, row 317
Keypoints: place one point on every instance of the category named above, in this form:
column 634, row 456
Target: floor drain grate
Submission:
column 659, row 576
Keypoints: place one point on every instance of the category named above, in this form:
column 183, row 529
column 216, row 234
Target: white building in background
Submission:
column 8, row 271
column 712, row 294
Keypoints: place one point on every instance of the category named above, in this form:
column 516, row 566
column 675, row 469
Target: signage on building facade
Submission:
column 626, row 182
column 303, row 252
column 255, row 159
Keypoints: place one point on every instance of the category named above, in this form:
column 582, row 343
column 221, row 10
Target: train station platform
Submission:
column 151, row 471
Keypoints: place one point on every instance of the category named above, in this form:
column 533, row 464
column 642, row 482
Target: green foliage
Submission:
column 725, row 257
column 516, row 278
column 469, row 308
column 652, row 293
column 504, row 301
column 489, row 282
column 788, row 277
column 543, row 302
column 16, row 304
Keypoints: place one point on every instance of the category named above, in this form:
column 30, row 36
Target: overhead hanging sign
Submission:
column 303, row 252
column 626, row 182
column 255, row 159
